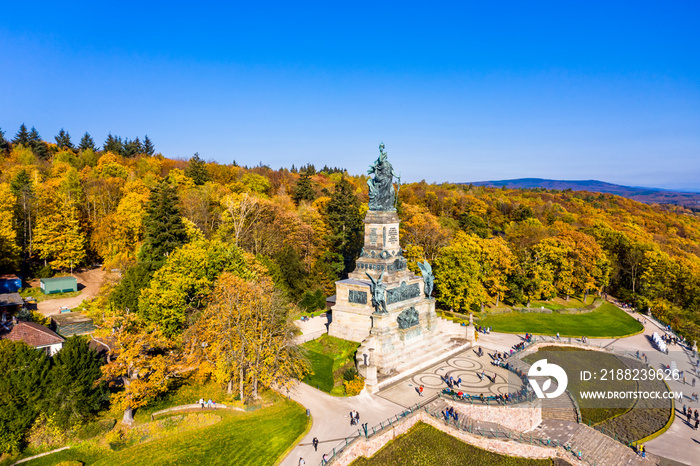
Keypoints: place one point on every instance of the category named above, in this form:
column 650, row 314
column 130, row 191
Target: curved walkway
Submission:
column 331, row 420
column 331, row 415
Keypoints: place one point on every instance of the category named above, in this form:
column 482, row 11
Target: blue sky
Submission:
column 459, row 92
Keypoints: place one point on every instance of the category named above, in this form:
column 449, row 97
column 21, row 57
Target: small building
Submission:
column 10, row 303
column 10, row 283
column 37, row 336
column 71, row 323
column 59, row 285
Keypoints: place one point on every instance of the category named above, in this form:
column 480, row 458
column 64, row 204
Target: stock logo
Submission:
column 543, row 369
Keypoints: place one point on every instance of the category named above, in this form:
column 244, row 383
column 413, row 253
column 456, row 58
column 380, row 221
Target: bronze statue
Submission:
column 381, row 187
column 428, row 279
column 378, row 294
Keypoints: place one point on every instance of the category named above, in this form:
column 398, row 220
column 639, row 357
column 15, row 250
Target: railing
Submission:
column 372, row 431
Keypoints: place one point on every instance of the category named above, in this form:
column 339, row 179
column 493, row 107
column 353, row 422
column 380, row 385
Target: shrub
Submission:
column 350, row 374
column 354, row 386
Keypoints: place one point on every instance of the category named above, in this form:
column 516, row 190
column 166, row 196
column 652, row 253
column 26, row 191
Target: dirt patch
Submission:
column 89, row 283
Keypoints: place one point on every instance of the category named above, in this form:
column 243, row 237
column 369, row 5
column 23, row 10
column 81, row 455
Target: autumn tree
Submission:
column 246, row 336
column 141, row 361
column 22, row 188
column 182, row 286
column 9, row 250
column 458, row 273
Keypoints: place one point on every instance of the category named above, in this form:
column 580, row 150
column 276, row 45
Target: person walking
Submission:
column 420, row 390
column 301, row 462
column 315, row 443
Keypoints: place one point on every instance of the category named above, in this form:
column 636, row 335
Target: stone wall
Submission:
column 521, row 417
column 368, row 447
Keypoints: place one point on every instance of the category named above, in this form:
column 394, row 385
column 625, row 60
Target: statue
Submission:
column 381, row 188
column 408, row 318
column 428, row 279
column 378, row 294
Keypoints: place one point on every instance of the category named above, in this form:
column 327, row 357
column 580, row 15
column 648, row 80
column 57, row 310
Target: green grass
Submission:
column 606, row 321
column 39, row 295
column 253, row 438
column 329, row 357
column 424, row 445
column 574, row 360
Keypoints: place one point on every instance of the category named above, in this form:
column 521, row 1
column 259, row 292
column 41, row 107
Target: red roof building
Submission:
column 35, row 335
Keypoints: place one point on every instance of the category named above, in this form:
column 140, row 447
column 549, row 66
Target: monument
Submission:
column 382, row 304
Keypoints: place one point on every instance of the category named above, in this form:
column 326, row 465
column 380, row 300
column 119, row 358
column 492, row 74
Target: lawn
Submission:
column 251, row 438
column 606, row 321
column 39, row 295
column 330, row 357
column 424, row 445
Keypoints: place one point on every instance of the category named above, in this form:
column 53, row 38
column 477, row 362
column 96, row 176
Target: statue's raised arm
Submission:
column 381, row 187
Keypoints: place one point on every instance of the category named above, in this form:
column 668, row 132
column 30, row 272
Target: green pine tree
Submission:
column 38, row 146
column 343, row 215
column 74, row 395
column 148, row 148
column 303, row 189
column 22, row 136
column 23, row 379
column 63, row 140
column 87, row 142
column 197, row 170
column 4, row 144
column 113, row 144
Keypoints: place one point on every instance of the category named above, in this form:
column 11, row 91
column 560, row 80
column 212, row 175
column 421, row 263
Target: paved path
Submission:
column 331, row 420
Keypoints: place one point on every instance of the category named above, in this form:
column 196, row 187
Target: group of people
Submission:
column 452, row 382
column 691, row 415
column 354, row 417
column 484, row 330
column 451, row 413
column 206, row 404
column 498, row 359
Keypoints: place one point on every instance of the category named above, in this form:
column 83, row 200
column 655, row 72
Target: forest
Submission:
column 215, row 258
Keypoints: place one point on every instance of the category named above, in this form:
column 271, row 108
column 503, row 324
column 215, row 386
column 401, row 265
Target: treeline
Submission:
column 187, row 234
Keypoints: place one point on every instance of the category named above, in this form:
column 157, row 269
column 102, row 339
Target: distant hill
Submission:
column 646, row 195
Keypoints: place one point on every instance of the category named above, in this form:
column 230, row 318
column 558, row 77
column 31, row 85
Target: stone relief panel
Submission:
column 402, row 293
column 357, row 297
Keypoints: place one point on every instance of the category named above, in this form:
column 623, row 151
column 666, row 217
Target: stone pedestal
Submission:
column 471, row 331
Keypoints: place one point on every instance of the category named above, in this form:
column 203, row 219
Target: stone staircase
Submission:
column 449, row 327
column 596, row 448
column 561, row 407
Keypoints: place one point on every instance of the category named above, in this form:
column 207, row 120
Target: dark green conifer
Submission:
column 22, row 136
column 197, row 170
column 148, row 148
column 63, row 140
column 87, row 142
column 303, row 189
column 74, row 395
column 343, row 214
column 113, row 144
